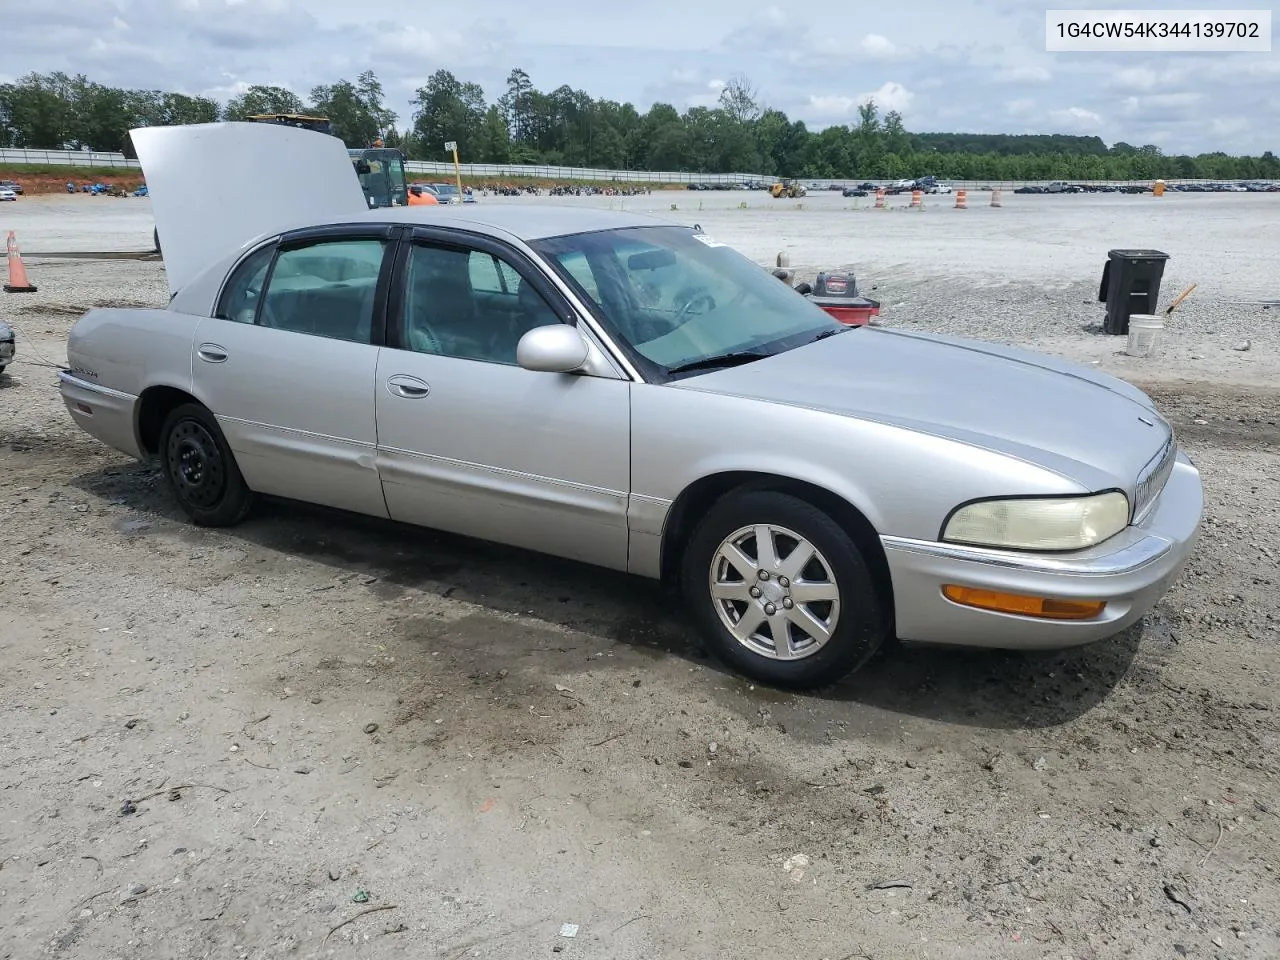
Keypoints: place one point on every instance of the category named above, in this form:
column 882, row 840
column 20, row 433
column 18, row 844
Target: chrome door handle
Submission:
column 411, row 388
column 211, row 353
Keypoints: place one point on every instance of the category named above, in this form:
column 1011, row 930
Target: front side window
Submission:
column 325, row 289
column 469, row 304
column 240, row 297
column 678, row 297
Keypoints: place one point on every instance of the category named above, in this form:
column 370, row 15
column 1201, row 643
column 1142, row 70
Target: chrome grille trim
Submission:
column 1153, row 477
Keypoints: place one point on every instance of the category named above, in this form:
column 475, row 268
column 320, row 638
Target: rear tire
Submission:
column 201, row 469
column 805, row 614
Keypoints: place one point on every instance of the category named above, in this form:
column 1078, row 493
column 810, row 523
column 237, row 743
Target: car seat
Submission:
column 441, row 309
column 531, row 311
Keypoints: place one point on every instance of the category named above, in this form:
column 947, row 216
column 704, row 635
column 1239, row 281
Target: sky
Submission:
column 946, row 65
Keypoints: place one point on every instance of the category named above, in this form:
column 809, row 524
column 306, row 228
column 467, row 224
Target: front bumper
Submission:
column 1131, row 572
column 101, row 412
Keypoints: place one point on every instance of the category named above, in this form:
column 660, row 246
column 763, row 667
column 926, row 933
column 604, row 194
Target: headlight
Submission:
column 1059, row 523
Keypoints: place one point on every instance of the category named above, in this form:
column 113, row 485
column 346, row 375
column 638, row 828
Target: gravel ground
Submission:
column 228, row 743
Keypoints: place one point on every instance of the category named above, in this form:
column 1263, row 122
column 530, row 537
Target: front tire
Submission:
column 781, row 591
column 201, row 469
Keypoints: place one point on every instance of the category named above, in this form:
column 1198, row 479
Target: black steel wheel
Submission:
column 201, row 469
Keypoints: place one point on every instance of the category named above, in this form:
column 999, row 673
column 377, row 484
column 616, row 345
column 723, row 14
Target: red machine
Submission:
column 837, row 293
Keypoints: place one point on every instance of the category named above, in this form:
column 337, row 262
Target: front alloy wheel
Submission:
column 775, row 592
column 781, row 590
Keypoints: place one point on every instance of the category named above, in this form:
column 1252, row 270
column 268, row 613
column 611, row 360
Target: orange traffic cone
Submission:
column 18, row 282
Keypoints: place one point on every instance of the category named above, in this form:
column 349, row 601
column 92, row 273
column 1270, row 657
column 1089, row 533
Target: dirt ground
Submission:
column 317, row 735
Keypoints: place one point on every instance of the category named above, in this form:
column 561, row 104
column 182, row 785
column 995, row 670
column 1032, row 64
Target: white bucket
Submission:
column 1144, row 332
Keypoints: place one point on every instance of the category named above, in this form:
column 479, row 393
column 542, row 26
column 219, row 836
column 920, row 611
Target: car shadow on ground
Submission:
column 969, row 687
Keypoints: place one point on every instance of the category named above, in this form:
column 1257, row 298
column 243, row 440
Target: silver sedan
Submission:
column 634, row 394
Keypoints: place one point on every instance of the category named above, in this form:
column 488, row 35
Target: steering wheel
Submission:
column 687, row 311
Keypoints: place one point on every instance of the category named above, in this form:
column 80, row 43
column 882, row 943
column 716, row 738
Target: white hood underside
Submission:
column 216, row 186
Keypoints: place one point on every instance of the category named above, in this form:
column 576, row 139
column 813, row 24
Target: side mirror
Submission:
column 555, row 348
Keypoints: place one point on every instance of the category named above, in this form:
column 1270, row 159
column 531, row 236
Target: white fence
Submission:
column 473, row 171
column 66, row 158
column 469, row 170
column 530, row 171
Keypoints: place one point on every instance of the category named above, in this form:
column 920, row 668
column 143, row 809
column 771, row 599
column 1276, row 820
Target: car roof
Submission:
column 527, row 221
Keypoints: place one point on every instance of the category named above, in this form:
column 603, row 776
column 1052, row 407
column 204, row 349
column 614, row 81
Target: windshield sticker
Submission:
column 703, row 238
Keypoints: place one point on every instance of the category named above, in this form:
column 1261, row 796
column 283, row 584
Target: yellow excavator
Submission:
column 786, row 188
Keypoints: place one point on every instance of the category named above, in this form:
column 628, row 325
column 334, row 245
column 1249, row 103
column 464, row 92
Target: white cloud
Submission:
column 1075, row 119
column 1161, row 104
column 875, row 45
column 951, row 70
column 1143, row 79
column 831, row 107
column 775, row 17
column 1028, row 74
column 890, row 96
column 1228, row 126
column 1135, row 78
column 709, row 98
column 416, row 40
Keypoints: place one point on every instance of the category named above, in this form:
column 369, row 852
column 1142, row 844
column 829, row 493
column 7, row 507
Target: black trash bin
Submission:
column 1130, row 284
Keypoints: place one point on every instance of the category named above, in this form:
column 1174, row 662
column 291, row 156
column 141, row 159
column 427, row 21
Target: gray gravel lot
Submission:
column 216, row 743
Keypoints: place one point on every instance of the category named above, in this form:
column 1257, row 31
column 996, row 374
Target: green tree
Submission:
column 39, row 112
column 446, row 109
column 493, row 141
column 259, row 99
column 526, row 125
column 356, row 110
column 516, row 105
column 739, row 100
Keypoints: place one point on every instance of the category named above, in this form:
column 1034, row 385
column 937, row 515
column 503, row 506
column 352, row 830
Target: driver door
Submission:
column 469, row 441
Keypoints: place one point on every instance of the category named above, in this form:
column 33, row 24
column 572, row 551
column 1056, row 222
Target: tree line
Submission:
column 569, row 127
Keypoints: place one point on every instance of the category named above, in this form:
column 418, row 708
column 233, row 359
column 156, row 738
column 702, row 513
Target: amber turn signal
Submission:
column 1023, row 605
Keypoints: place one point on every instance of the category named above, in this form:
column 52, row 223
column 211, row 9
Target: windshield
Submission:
column 676, row 297
column 445, row 189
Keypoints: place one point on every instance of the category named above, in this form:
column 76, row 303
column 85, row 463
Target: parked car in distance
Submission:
column 448, row 193
column 6, row 345
column 567, row 380
column 6, row 193
column 12, row 185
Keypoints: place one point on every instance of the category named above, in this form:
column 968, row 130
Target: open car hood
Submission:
column 216, row 186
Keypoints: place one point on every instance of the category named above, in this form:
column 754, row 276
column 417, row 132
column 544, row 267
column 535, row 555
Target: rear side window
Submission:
column 325, row 289
column 241, row 295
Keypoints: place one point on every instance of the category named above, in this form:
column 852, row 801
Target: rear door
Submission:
column 288, row 365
